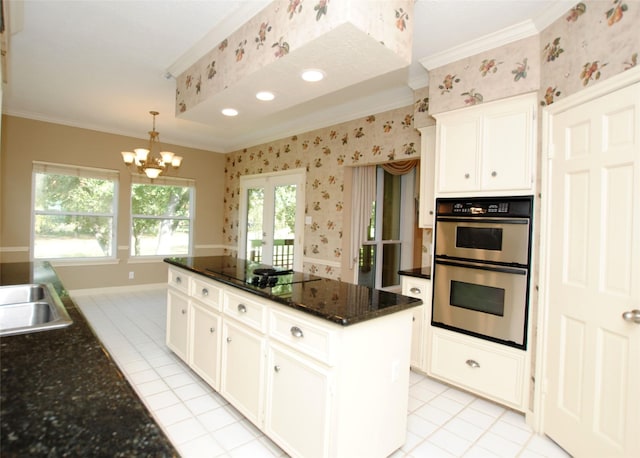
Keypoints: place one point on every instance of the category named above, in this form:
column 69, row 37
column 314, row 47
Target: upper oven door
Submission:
column 504, row 240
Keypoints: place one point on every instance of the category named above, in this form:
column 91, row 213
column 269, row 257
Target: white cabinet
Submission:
column 427, row 176
column 487, row 148
column 205, row 343
column 314, row 387
column 491, row 370
column 419, row 288
column 178, row 323
column 242, row 370
column 298, row 402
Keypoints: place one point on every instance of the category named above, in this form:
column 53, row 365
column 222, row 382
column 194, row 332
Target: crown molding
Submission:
column 499, row 38
column 493, row 40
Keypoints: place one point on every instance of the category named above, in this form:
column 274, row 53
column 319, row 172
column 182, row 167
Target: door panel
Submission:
column 271, row 225
column 593, row 250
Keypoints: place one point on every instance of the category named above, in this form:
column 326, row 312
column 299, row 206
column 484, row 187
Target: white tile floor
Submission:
column 442, row 421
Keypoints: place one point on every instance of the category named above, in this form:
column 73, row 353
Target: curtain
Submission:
column 400, row 167
column 362, row 196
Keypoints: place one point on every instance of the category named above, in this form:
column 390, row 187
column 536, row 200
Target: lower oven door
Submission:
column 485, row 301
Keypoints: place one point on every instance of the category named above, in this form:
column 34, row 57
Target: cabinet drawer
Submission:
column 489, row 370
column 179, row 279
column 245, row 310
column 418, row 288
column 206, row 292
column 303, row 335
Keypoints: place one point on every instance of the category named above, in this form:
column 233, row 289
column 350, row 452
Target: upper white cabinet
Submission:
column 487, row 148
column 427, row 176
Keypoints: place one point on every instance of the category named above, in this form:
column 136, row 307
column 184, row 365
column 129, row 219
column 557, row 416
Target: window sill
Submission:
column 80, row 262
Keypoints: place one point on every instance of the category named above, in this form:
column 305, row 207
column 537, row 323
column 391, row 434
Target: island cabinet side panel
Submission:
column 372, row 387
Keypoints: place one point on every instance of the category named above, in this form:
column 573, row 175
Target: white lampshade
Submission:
column 152, row 172
column 141, row 154
column 176, row 161
column 128, row 157
column 167, row 156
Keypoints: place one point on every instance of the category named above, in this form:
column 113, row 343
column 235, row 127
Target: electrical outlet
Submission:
column 131, row 275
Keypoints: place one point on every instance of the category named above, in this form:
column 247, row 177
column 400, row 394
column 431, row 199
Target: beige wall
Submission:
column 25, row 141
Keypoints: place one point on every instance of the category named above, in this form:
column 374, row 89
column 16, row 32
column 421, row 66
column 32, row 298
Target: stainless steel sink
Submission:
column 31, row 308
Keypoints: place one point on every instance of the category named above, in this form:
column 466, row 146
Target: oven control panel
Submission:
column 480, row 206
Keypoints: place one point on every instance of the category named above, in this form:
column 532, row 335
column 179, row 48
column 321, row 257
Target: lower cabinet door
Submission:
column 206, row 333
column 243, row 359
column 177, row 322
column 298, row 403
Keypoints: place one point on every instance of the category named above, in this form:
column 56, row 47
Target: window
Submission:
column 389, row 233
column 74, row 212
column 269, row 218
column 161, row 216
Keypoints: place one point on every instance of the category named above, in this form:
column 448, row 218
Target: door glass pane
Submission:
column 367, row 266
column 255, row 206
column 390, row 264
column 391, row 207
column 284, row 222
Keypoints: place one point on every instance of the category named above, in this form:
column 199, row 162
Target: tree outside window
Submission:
column 161, row 219
column 73, row 212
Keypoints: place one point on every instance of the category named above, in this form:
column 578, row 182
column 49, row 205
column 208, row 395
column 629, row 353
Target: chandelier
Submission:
column 150, row 163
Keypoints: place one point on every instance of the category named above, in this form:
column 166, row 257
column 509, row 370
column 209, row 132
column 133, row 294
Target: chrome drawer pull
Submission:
column 205, row 292
column 276, row 368
column 296, row 332
column 473, row 364
column 242, row 308
column 183, row 311
column 212, row 330
column 178, row 280
column 228, row 339
column 415, row 290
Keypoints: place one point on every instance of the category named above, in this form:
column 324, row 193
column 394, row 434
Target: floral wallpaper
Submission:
column 593, row 41
column 281, row 28
column 502, row 72
column 324, row 153
column 421, row 111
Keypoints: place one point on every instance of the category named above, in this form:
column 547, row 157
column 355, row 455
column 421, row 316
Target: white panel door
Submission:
column 592, row 401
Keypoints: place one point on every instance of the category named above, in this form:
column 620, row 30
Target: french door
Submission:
column 271, row 225
column 592, row 236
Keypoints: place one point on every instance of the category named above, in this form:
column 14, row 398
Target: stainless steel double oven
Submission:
column 482, row 266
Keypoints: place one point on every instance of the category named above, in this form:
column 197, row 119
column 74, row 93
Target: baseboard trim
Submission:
column 115, row 289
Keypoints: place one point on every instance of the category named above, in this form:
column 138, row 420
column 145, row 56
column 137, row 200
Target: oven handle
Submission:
column 480, row 266
column 481, row 220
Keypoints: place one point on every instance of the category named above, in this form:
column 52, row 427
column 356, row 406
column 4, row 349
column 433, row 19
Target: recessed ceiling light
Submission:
column 312, row 75
column 230, row 112
column 265, row 96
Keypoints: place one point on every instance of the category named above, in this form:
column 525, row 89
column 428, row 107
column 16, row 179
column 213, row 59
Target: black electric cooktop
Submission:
column 260, row 275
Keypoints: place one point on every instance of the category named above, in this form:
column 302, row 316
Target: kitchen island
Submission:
column 61, row 394
column 320, row 366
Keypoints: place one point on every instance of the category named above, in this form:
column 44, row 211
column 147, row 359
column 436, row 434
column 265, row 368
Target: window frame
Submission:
column 39, row 167
column 139, row 179
column 407, row 217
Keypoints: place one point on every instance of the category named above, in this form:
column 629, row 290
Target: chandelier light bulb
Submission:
column 146, row 161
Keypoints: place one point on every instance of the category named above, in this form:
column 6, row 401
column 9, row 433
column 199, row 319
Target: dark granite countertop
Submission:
column 419, row 272
column 62, row 395
column 336, row 301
